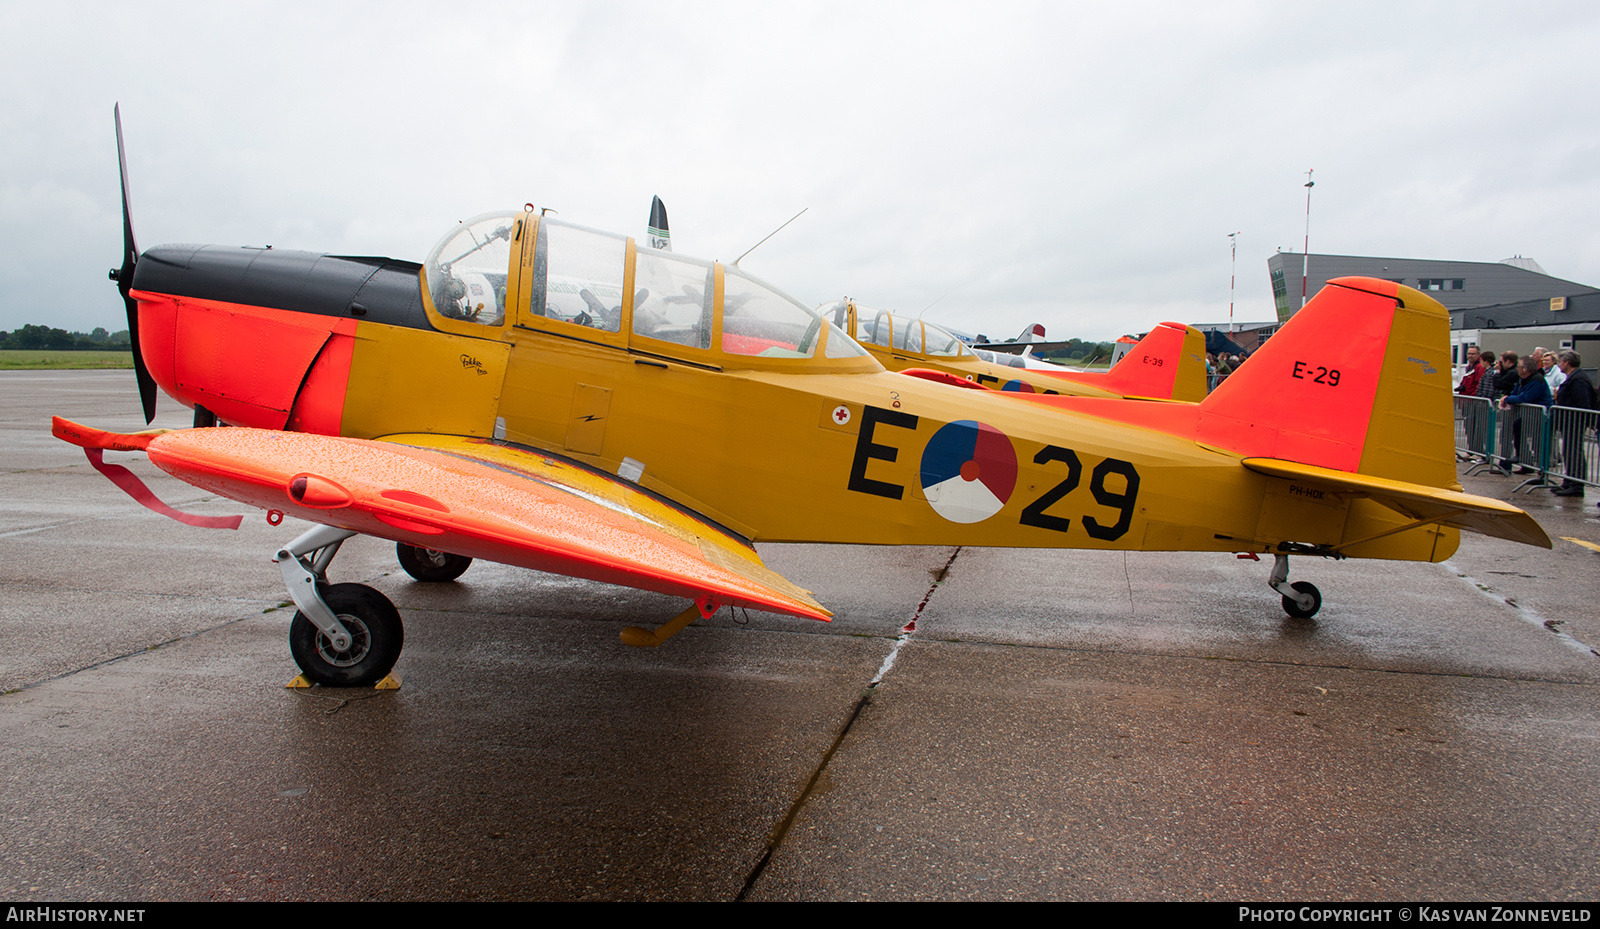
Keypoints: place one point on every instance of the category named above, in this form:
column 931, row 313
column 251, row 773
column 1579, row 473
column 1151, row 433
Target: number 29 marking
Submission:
column 1123, row 503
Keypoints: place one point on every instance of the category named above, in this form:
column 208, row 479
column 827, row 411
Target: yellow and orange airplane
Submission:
column 546, row 395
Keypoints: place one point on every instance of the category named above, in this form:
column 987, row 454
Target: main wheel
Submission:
column 376, row 636
column 426, row 564
column 1292, row 606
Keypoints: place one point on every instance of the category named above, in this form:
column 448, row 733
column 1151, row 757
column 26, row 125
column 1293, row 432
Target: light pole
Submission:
column 1305, row 267
column 1233, row 266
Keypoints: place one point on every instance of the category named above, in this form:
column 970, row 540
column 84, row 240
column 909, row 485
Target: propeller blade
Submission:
column 124, row 278
column 660, row 237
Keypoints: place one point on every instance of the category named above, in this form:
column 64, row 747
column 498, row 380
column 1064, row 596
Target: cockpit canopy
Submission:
column 1002, row 358
column 574, row 280
column 893, row 331
column 466, row 271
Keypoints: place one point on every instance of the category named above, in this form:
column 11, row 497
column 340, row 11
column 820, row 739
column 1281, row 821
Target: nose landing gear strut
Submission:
column 345, row 635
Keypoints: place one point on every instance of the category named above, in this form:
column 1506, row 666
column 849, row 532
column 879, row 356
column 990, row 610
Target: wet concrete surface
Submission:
column 1060, row 725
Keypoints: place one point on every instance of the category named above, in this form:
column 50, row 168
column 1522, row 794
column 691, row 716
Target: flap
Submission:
column 484, row 500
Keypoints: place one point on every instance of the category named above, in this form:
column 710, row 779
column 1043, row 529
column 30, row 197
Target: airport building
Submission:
column 1456, row 284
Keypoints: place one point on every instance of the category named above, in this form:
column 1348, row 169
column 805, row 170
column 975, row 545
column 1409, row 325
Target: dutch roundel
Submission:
column 969, row 470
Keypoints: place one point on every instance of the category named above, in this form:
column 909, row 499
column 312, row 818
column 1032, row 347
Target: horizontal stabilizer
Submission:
column 1434, row 505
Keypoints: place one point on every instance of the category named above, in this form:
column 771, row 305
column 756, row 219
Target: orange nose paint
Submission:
column 252, row 366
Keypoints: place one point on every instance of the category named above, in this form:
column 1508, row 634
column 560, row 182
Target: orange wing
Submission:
column 476, row 498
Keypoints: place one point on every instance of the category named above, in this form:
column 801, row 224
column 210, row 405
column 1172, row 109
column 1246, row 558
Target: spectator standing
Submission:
column 1531, row 389
column 1473, row 420
column 1504, row 382
column 1576, row 394
column 1486, row 383
column 1552, row 372
column 1469, row 383
column 1505, row 379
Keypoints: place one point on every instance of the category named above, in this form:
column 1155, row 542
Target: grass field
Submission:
column 26, row 359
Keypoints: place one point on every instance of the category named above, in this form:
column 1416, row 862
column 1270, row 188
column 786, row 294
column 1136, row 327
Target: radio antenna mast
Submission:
column 769, row 235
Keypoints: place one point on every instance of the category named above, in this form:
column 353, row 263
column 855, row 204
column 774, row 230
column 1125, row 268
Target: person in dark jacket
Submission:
column 1577, row 400
column 1531, row 390
column 1499, row 381
column 1506, row 379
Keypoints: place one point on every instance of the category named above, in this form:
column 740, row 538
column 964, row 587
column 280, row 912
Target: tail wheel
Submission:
column 376, row 638
column 1292, row 606
column 426, row 564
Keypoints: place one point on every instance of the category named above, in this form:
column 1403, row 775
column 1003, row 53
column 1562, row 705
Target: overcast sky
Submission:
column 1075, row 165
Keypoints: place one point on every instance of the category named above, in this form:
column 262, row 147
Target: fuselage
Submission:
column 708, row 388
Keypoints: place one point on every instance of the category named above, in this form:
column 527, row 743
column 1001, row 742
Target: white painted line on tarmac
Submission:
column 910, row 628
column 1526, row 615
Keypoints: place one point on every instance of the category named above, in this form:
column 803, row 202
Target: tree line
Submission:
column 1078, row 351
column 44, row 337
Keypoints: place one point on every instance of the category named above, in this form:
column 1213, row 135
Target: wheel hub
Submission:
column 360, row 643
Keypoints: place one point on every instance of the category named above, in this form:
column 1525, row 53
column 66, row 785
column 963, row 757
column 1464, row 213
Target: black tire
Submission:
column 426, row 564
column 1292, row 607
column 374, row 626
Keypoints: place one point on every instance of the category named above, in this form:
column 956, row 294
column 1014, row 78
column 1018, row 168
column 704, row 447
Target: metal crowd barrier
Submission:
column 1475, row 427
column 1559, row 443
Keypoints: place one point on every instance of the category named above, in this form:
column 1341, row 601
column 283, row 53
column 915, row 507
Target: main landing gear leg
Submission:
column 346, row 635
column 639, row 637
column 1301, row 599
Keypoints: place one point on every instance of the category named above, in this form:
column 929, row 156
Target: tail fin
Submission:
column 1348, row 409
column 1353, row 394
column 1357, row 381
column 1169, row 363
